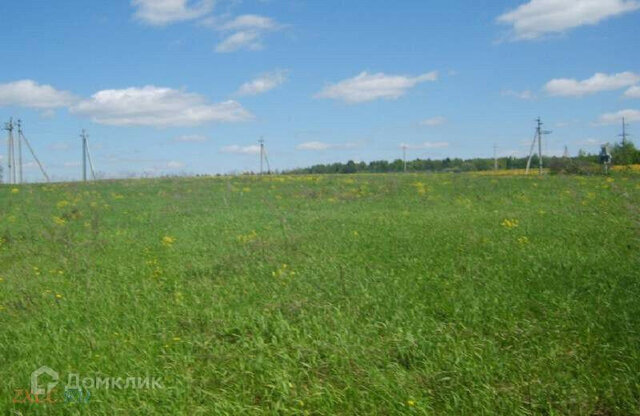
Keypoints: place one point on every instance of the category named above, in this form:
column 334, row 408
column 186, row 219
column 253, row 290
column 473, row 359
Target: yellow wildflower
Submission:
column 15, row 190
column 168, row 241
column 411, row 403
column 58, row 296
column 59, row 221
column 507, row 223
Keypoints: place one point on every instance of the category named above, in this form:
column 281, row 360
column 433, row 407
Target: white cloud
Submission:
column 191, row 138
column 157, row 106
column 541, row 17
column 434, row 121
column 263, row 83
column 597, row 83
column 242, row 32
column 633, row 92
column 426, row 145
column 368, row 87
column 616, row 118
column 251, row 41
column 173, row 164
column 162, row 12
column 250, row 22
column 246, row 150
column 523, row 95
column 319, row 146
column 30, row 94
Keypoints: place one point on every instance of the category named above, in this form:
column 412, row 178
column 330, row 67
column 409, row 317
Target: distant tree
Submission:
column 350, row 167
column 625, row 153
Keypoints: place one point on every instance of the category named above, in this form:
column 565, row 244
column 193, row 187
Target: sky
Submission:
column 179, row 86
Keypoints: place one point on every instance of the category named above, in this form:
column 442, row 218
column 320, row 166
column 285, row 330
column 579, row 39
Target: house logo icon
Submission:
column 41, row 373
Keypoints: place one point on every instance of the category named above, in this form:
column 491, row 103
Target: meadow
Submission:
column 416, row 294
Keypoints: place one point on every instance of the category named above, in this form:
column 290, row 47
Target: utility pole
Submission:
column 404, row 157
column 537, row 137
column 261, row 141
column 19, row 151
column 539, row 146
column 9, row 128
column 83, row 136
column 495, row 157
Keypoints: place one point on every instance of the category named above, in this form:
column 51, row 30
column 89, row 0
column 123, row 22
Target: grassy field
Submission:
column 321, row 295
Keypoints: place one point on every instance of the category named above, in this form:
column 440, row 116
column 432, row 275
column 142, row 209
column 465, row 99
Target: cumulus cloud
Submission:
column 191, row 138
column 369, row 87
column 263, row 83
column 537, row 18
column 433, row 121
column 523, row 95
column 242, row 32
column 245, row 150
column 615, row 118
column 597, row 83
column 157, row 106
column 633, row 92
column 163, row 12
column 426, row 145
column 319, row 146
column 30, row 94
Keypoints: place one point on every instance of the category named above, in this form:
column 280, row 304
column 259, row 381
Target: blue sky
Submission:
column 169, row 86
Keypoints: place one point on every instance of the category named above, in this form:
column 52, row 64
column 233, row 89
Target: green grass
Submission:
column 401, row 294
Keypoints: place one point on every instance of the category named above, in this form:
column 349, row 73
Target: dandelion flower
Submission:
column 168, row 241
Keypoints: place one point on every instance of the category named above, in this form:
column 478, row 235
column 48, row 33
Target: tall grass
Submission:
column 322, row 295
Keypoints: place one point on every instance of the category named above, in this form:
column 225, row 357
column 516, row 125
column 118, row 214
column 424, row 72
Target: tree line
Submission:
column 622, row 154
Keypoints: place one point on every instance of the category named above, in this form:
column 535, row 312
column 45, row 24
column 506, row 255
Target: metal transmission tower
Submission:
column 495, row 157
column 624, row 134
column 537, row 137
column 566, row 152
column 22, row 137
column 86, row 156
